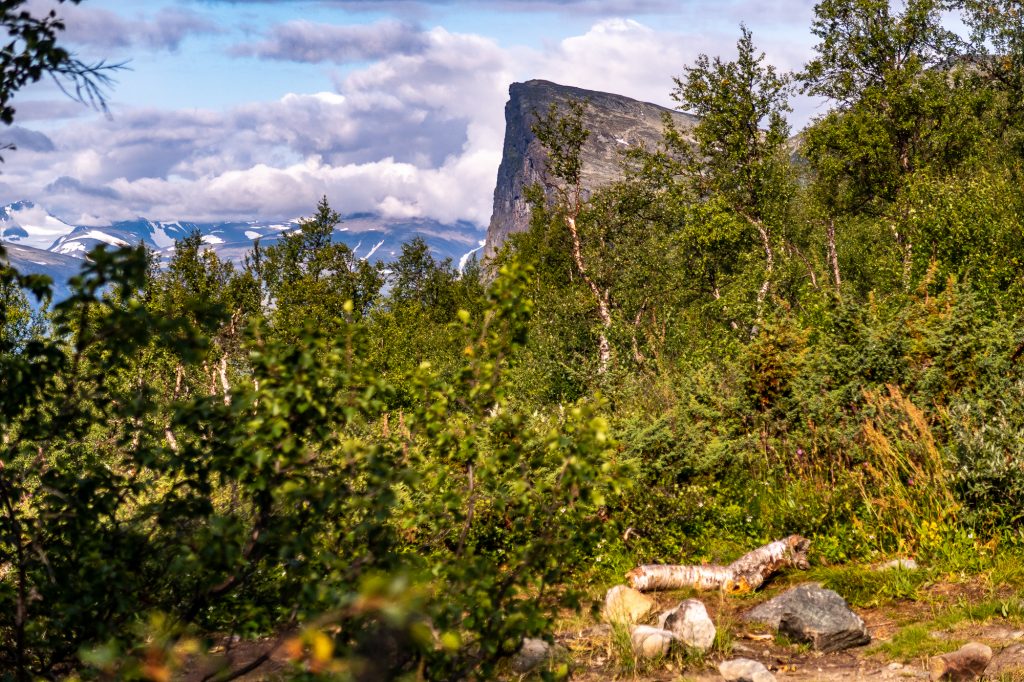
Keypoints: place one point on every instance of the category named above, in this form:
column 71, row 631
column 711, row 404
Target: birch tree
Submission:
column 563, row 135
column 740, row 141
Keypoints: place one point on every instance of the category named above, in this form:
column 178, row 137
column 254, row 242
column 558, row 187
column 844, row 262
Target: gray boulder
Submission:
column 810, row 613
column 532, row 655
column 691, row 623
column 899, row 565
column 1007, row 664
column 650, row 642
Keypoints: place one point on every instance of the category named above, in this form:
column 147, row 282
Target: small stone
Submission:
column 690, row 622
column 650, row 642
column 966, row 663
column 895, row 666
column 624, row 605
column 744, row 670
column 533, row 654
column 899, row 564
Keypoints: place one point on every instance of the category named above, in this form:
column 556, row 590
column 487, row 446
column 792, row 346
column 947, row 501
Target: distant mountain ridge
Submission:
column 38, row 242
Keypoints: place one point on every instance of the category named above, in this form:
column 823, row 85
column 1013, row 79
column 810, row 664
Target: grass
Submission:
column 724, row 637
column 867, row 587
column 783, row 640
column 918, row 640
column 979, row 612
column 915, row 642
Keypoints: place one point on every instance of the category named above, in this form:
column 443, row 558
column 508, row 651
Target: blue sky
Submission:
column 245, row 109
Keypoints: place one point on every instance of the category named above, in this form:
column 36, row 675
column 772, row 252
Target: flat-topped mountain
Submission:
column 615, row 124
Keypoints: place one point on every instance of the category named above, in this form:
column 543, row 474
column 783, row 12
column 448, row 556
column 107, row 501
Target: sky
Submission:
column 254, row 109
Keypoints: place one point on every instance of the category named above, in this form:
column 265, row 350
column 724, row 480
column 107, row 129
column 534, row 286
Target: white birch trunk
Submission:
column 602, row 297
column 224, row 380
column 746, row 574
column 833, row 255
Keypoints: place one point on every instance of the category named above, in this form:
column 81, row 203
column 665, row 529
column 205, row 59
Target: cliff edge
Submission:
column 615, row 123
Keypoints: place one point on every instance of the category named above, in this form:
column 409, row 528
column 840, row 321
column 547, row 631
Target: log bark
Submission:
column 746, row 574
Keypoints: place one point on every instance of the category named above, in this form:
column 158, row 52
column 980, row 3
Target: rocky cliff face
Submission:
column 615, row 123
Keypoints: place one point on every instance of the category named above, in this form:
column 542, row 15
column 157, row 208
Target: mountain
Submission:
column 615, row 124
column 26, row 224
column 58, row 267
column 38, row 242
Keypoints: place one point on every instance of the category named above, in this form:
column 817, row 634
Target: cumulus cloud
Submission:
column 23, row 138
column 417, row 132
column 69, row 185
column 305, row 41
column 410, row 135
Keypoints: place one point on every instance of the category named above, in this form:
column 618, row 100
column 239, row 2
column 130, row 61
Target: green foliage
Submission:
column 742, row 129
column 700, row 358
column 903, row 103
column 307, row 276
column 563, row 135
column 289, row 497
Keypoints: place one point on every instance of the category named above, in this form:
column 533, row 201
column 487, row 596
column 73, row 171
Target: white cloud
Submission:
column 101, row 28
column 306, row 41
column 415, row 133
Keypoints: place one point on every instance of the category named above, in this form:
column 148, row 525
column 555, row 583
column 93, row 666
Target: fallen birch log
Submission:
column 745, row 574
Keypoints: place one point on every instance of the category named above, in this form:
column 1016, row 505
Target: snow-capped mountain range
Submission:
column 38, row 242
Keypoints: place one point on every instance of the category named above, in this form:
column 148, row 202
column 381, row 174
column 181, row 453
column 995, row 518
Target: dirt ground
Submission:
column 594, row 657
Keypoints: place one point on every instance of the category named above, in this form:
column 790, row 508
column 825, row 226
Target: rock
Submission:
column 741, row 648
column 1008, row 663
column 532, row 655
column 809, row 613
column 1003, row 634
column 625, row 605
column 650, row 642
column 615, row 124
column 899, row 564
column 744, row 670
column 691, row 624
column 966, row 663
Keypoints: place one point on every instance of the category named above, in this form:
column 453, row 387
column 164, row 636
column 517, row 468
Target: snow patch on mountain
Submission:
column 105, row 238
column 26, row 224
column 32, row 227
